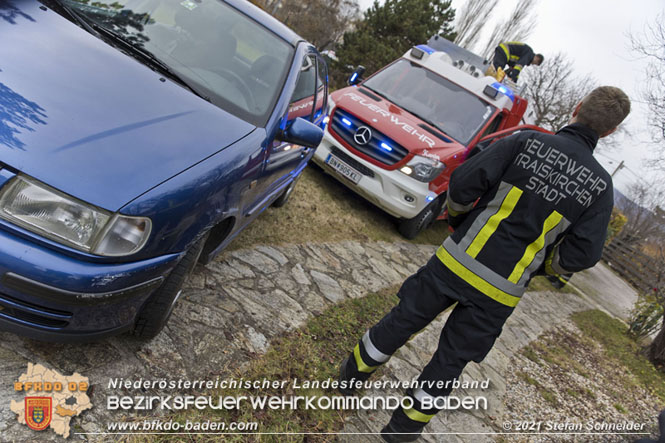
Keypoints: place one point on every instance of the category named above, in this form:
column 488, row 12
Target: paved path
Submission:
column 535, row 314
column 233, row 308
column 607, row 291
column 230, row 309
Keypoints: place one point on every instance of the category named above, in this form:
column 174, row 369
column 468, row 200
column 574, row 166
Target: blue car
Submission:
column 137, row 138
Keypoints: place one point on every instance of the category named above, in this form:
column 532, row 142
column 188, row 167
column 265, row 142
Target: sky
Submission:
column 594, row 34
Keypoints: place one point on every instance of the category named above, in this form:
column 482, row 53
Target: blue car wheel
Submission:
column 158, row 307
column 282, row 199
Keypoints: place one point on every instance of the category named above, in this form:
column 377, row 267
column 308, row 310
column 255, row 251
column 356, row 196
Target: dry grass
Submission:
column 323, row 210
column 312, row 352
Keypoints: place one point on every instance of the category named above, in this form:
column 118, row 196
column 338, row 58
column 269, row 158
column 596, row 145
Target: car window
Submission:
column 302, row 100
column 322, row 92
column 232, row 59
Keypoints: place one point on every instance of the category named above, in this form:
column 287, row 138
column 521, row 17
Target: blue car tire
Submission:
column 157, row 309
column 282, row 199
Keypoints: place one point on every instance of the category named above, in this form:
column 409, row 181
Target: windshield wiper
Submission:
column 153, row 60
column 376, row 92
column 73, row 15
column 101, row 32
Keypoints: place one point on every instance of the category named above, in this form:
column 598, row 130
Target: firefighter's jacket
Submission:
column 530, row 203
column 518, row 55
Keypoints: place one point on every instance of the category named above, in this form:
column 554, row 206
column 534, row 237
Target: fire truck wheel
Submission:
column 411, row 227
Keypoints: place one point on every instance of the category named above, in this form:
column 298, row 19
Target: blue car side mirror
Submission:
column 302, row 132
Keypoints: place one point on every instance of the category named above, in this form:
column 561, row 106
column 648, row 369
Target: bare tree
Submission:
column 471, row 19
column 553, row 91
column 517, row 27
column 651, row 45
column 645, row 222
column 645, row 231
column 312, row 16
column 646, row 217
column 647, row 315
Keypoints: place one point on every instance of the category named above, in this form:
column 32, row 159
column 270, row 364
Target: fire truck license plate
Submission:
column 343, row 169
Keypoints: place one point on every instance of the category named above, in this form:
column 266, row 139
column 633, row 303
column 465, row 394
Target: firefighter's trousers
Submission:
column 468, row 335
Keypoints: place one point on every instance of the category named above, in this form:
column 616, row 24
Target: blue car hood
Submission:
column 86, row 119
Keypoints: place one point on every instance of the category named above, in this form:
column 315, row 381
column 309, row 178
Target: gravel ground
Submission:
column 580, row 387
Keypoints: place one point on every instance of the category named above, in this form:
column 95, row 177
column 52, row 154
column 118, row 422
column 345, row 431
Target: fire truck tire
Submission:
column 411, row 227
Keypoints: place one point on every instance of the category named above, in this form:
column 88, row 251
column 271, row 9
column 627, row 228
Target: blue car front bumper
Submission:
column 51, row 296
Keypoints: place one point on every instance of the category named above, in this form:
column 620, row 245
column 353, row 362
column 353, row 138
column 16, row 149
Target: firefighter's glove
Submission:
column 513, row 74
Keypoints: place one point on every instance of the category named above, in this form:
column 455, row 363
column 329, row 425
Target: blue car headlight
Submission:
column 64, row 219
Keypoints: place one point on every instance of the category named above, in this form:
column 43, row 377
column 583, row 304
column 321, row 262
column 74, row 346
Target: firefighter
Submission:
column 533, row 203
column 516, row 55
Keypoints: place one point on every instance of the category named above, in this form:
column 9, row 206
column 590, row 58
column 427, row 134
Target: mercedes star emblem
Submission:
column 363, row 135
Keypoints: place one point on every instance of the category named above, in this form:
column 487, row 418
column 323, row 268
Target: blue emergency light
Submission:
column 420, row 51
column 386, row 146
column 347, row 122
column 496, row 87
column 425, row 48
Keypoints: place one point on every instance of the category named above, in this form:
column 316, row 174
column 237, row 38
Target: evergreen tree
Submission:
column 388, row 30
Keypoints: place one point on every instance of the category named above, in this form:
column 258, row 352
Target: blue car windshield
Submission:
column 434, row 99
column 231, row 59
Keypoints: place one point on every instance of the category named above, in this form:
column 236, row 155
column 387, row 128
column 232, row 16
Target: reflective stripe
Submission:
column 418, row 416
column 371, row 350
column 454, row 213
column 480, row 221
column 556, row 263
column 456, row 209
column 550, row 238
column 548, row 263
column 362, row 367
column 505, row 49
column 517, row 67
column 492, row 224
column 530, row 252
column 562, row 280
column 474, row 280
column 421, row 395
column 514, row 57
column 481, row 270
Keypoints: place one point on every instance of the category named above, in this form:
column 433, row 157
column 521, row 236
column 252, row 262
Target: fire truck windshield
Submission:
column 432, row 98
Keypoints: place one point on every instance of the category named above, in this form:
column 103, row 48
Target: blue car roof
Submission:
column 266, row 20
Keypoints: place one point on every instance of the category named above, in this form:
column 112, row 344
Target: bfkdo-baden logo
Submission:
column 50, row 399
column 38, row 412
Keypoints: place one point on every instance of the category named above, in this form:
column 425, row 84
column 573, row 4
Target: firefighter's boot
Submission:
column 401, row 428
column 360, row 365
